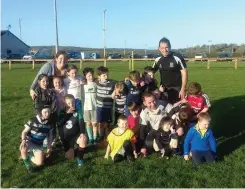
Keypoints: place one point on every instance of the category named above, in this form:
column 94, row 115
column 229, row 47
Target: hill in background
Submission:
column 236, row 50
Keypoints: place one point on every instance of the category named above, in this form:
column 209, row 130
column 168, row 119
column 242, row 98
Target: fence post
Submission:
column 33, row 64
column 132, row 60
column 81, row 64
column 208, row 65
column 236, row 64
column 129, row 64
column 10, row 64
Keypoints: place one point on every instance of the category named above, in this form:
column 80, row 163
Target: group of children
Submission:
column 82, row 110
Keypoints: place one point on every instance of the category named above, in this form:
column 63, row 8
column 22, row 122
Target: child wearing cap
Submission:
column 32, row 137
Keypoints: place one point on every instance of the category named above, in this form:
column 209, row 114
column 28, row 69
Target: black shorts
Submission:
column 70, row 143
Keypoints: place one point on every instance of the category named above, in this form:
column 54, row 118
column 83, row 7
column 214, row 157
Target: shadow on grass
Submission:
column 228, row 123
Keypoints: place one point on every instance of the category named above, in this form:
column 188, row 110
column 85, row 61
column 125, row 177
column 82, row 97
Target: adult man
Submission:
column 173, row 71
column 151, row 116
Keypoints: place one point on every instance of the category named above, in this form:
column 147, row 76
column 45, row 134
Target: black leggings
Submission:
column 128, row 152
column 149, row 140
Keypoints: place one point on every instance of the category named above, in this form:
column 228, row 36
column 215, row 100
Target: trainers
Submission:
column 30, row 170
column 80, row 162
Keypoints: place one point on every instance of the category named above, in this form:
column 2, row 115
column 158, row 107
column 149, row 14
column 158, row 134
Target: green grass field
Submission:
column 223, row 84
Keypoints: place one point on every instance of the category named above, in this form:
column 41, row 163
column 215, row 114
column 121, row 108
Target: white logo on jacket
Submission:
column 69, row 124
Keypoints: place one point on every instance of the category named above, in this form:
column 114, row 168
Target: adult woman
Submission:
column 54, row 68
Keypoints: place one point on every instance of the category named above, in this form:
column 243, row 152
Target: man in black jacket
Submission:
column 173, row 71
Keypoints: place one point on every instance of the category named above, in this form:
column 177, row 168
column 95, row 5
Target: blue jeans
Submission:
column 198, row 157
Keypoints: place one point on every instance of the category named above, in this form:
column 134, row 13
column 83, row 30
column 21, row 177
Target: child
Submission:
column 71, row 129
column 119, row 144
column 150, row 81
column 200, row 141
column 90, row 115
column 135, row 89
column 134, row 118
column 104, row 100
column 73, row 82
column 46, row 96
column 166, row 140
column 60, row 92
column 32, row 137
column 198, row 101
column 133, row 123
column 119, row 95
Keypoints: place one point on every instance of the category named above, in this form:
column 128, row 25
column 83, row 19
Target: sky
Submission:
column 130, row 23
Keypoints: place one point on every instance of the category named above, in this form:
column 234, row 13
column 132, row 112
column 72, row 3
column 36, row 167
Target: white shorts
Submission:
column 90, row 116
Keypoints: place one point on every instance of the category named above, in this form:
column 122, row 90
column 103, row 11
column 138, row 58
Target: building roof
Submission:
column 3, row 32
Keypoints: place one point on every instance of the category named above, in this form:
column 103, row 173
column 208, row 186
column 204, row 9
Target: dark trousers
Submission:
column 173, row 94
column 144, row 130
column 199, row 156
column 128, row 152
column 149, row 140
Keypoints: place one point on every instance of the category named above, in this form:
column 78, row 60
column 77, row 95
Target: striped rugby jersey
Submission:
column 120, row 103
column 38, row 129
column 104, row 92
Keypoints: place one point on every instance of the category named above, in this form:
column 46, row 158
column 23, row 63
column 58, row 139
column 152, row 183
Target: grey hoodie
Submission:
column 48, row 69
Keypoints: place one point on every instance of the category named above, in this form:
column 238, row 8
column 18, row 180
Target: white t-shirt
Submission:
column 90, row 96
column 154, row 117
column 73, row 86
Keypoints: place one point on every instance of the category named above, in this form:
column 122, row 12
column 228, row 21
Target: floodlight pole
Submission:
column 104, row 31
column 145, row 49
column 210, row 41
column 56, row 28
column 125, row 48
column 20, row 19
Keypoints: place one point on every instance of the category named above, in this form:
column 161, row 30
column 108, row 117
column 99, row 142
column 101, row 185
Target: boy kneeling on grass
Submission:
column 71, row 129
column 200, row 142
column 120, row 146
column 32, row 137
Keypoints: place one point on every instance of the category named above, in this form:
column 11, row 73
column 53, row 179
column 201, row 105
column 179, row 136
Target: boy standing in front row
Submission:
column 104, row 100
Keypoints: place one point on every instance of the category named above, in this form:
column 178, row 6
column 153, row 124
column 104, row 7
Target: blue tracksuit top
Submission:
column 134, row 93
column 195, row 141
